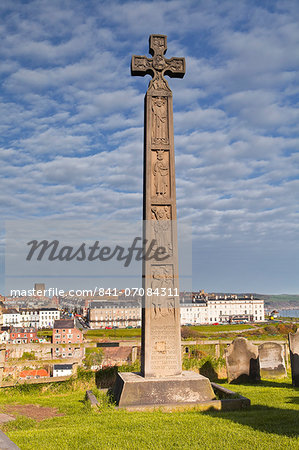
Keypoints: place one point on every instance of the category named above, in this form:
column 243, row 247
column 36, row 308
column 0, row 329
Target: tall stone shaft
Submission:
column 161, row 338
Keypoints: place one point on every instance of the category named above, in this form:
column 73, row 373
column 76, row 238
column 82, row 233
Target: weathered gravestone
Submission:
column 242, row 361
column 294, row 356
column 272, row 363
column 161, row 380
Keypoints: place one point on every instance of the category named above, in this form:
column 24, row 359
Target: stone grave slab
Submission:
column 272, row 362
column 242, row 361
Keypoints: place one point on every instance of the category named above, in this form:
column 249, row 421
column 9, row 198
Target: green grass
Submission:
column 119, row 333
column 273, row 331
column 283, row 298
column 45, row 333
column 255, row 331
column 216, row 328
column 89, row 350
column 126, row 333
column 271, row 423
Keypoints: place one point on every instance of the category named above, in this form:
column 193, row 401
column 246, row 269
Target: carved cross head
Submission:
column 158, row 65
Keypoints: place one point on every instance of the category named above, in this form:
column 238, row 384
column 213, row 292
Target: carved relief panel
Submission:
column 162, row 228
column 162, row 285
column 160, row 174
column 160, row 132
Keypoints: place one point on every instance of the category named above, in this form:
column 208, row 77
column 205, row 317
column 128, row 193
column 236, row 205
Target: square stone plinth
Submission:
column 131, row 389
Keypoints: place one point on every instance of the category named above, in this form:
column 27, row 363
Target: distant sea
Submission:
column 289, row 312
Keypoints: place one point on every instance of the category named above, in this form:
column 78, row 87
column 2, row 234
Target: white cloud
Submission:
column 72, row 118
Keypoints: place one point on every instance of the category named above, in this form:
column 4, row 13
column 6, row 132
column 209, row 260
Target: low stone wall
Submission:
column 36, row 381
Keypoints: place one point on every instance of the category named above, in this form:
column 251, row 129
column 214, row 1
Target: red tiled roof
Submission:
column 33, row 373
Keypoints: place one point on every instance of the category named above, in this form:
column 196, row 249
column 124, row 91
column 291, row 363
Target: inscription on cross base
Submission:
column 161, row 337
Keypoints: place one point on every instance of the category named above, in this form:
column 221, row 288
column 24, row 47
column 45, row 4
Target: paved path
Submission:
column 6, row 443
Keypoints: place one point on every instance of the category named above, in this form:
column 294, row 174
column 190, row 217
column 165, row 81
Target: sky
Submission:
column 71, row 125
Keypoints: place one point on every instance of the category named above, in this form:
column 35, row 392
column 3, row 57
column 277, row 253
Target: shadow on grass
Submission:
column 294, row 400
column 261, row 383
column 267, row 419
column 278, row 384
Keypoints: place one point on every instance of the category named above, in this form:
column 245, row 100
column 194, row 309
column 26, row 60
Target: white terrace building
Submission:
column 11, row 317
column 47, row 317
column 37, row 318
column 226, row 309
column 29, row 317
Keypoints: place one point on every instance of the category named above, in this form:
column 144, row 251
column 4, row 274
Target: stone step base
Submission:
column 131, row 389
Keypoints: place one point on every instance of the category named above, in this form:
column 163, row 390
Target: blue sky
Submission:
column 72, row 125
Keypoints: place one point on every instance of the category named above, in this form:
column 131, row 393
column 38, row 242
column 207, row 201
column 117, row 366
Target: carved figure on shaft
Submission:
column 161, row 174
column 162, row 228
column 162, row 284
column 160, row 128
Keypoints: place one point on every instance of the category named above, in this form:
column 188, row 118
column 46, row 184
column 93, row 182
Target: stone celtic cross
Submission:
column 161, row 381
column 158, row 65
column 161, row 337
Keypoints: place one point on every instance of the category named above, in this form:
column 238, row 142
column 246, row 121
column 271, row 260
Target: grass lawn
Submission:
column 271, row 423
column 45, row 333
column 136, row 332
column 118, row 333
column 250, row 331
column 217, row 328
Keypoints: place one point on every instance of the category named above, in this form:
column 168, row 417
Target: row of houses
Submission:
column 35, row 318
column 19, row 335
column 199, row 309
column 64, row 332
column 110, row 314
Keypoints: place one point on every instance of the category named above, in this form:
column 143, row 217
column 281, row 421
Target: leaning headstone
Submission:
column 294, row 356
column 272, row 363
column 161, row 380
column 242, row 361
column 91, row 398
